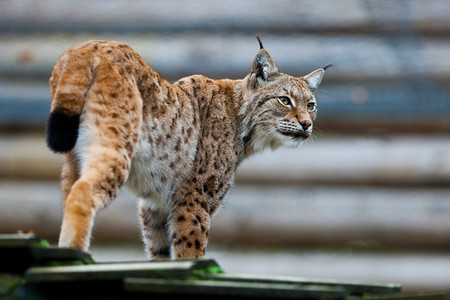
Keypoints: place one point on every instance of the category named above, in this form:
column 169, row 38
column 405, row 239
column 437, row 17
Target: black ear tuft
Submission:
column 259, row 41
column 327, row 66
column 62, row 131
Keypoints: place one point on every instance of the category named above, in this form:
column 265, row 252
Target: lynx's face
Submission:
column 279, row 108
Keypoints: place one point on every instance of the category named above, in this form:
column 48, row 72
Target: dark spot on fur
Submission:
column 196, row 89
column 209, row 184
column 178, row 145
column 114, row 130
column 189, row 132
column 173, row 124
column 181, row 219
column 197, row 244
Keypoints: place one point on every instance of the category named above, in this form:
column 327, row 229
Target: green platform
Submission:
column 31, row 269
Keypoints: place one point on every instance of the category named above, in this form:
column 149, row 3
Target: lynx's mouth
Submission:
column 298, row 135
column 293, row 130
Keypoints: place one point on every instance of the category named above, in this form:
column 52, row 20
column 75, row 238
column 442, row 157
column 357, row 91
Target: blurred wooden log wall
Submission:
column 392, row 58
column 391, row 76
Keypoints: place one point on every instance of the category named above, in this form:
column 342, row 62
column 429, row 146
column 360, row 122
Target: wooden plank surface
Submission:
column 350, row 287
column 18, row 252
column 221, row 288
column 118, row 271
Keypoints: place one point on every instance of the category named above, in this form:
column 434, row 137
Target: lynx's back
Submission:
column 176, row 146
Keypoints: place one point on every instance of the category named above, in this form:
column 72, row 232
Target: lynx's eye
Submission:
column 312, row 107
column 284, row 100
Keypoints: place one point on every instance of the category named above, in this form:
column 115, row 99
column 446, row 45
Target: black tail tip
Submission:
column 62, row 131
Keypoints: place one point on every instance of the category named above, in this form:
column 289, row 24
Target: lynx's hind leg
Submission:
column 109, row 131
column 153, row 223
column 69, row 175
column 98, row 184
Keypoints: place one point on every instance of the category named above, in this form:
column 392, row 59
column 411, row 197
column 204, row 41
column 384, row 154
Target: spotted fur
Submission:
column 177, row 146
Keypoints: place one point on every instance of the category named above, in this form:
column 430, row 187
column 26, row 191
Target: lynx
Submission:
column 176, row 146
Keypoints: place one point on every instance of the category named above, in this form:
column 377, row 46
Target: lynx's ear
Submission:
column 262, row 66
column 314, row 78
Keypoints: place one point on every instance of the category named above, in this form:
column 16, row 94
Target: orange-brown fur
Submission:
column 177, row 146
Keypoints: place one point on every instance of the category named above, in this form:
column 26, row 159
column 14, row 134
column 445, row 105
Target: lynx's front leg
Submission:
column 189, row 227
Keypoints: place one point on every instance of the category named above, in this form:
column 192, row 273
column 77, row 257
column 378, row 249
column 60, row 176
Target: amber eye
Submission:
column 285, row 101
column 312, row 107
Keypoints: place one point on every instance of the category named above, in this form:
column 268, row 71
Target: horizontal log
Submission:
column 273, row 215
column 233, row 15
column 355, row 57
column 387, row 159
column 410, row 106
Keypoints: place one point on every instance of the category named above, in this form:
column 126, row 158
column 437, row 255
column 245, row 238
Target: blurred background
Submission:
column 368, row 198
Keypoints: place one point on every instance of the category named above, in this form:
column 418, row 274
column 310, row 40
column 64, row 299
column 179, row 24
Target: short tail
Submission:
column 68, row 86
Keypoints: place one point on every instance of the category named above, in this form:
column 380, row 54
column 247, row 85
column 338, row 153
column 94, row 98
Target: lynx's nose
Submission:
column 305, row 124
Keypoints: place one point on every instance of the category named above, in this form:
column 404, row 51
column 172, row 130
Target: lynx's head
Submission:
column 278, row 109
